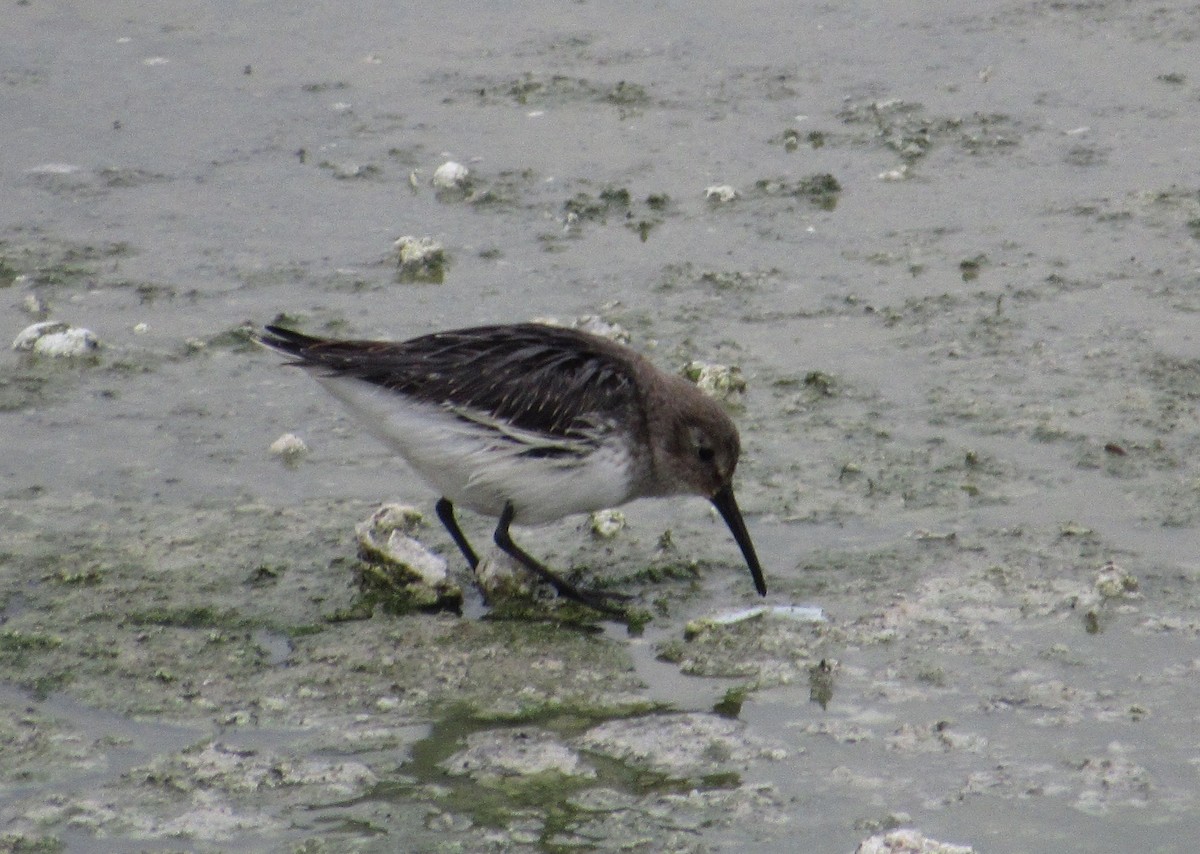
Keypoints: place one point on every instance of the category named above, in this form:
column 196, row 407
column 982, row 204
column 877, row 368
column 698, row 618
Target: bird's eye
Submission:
column 705, row 453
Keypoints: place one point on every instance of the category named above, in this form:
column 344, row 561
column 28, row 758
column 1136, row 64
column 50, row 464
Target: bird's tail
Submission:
column 287, row 341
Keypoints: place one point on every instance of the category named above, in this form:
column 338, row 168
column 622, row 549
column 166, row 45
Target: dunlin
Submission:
column 530, row 423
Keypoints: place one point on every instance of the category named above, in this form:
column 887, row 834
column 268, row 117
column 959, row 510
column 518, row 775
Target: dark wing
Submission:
column 545, row 378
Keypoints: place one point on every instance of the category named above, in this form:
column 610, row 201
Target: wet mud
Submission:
column 951, row 256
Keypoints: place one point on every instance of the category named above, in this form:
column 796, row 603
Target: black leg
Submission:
column 562, row 587
column 445, row 511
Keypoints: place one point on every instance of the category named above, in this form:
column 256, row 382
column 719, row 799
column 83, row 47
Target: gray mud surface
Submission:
column 960, row 275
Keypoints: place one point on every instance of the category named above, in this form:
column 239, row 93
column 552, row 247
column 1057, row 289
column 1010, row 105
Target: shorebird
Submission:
column 529, row 423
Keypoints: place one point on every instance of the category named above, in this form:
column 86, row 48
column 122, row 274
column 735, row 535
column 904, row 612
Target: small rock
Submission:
column 28, row 336
column 908, row 841
column 724, row 382
column 57, row 339
column 1074, row 529
column 381, row 543
column 606, row 524
column 500, row 577
column 398, row 517
column 421, row 258
column 597, row 325
column 515, row 753
column 720, row 193
column 347, row 170
column 397, row 566
column 679, row 745
column 1112, row 582
column 289, row 447
column 451, row 176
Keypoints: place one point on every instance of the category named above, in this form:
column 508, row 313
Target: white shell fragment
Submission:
column 402, row 550
column 55, row 338
column 522, row 752
column 590, row 323
column 398, row 517
column 348, row 169
column 909, row 841
column 290, row 447
column 798, row 613
column 720, row 193
column 413, row 571
column 450, row 176
column 606, row 524
column 724, row 382
column 420, row 253
column 599, row 326
column 30, row 334
column 1111, row 587
column 1112, row 582
column 501, row 577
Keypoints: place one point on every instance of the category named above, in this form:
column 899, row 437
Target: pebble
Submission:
column 720, row 193
column 56, row 338
column 450, row 176
column 724, row 382
column 290, row 447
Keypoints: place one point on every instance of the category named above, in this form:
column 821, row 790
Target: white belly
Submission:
column 482, row 468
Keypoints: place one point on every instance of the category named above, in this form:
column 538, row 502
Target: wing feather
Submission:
column 546, row 379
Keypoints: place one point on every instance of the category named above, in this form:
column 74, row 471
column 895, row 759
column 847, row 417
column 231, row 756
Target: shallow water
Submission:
column 972, row 380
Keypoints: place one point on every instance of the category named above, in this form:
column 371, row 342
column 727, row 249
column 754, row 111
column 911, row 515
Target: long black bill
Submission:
column 726, row 504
